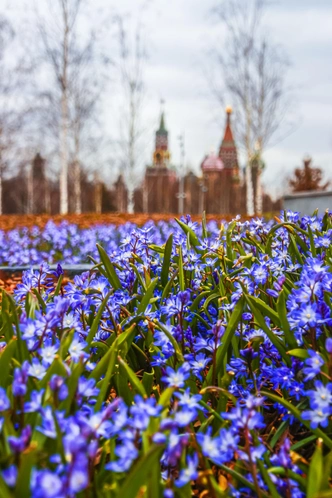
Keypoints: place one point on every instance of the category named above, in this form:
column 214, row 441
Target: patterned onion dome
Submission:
column 212, row 163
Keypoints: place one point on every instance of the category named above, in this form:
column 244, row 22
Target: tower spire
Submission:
column 162, row 127
column 161, row 154
column 227, row 151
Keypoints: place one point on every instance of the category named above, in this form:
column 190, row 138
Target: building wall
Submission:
column 307, row 202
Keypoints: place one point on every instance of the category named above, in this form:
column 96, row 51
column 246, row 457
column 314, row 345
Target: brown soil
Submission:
column 9, row 222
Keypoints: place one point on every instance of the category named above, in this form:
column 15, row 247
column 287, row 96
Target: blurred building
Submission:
column 219, row 189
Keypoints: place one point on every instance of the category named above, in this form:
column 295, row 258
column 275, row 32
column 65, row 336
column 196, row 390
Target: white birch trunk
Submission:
column 259, row 193
column 64, row 155
column 1, row 210
column 130, row 206
column 250, row 191
column 64, row 116
column 77, row 178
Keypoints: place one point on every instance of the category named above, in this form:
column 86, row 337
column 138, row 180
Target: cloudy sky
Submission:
column 180, row 32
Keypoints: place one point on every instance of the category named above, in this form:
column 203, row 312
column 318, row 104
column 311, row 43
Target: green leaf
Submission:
column 140, row 474
column 204, row 227
column 41, row 301
column 105, row 383
column 175, row 345
column 297, row 414
column 31, row 304
column 166, row 260
column 4, row 491
column 58, row 286
column 226, row 340
column 239, row 477
column 261, row 322
column 109, row 268
column 299, row 353
column 135, row 382
column 303, row 442
column 267, row 479
column 181, row 272
column 166, row 396
column 72, row 385
column 281, row 471
column 147, row 381
column 282, row 313
column 5, row 359
column 147, row 296
column 193, row 237
column 266, row 310
column 11, row 323
column 168, row 286
column 198, row 299
column 97, row 318
column 101, row 367
column 315, row 474
column 296, row 250
column 27, row 461
column 312, row 243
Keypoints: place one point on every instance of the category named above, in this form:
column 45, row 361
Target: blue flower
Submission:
column 189, row 473
column 35, row 403
column 176, row 378
column 4, row 401
column 313, row 364
column 321, row 396
column 317, row 416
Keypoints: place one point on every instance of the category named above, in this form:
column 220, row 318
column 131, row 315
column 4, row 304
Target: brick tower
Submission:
column 159, row 190
column 161, row 155
column 220, row 188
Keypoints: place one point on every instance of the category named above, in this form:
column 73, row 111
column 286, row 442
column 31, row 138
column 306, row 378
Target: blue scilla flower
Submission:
column 20, row 443
column 321, row 396
column 4, row 401
column 218, row 449
column 36, row 369
column 177, row 378
column 10, row 475
column 317, row 416
column 189, row 472
column 328, row 345
column 35, row 403
column 47, row 484
column 313, row 365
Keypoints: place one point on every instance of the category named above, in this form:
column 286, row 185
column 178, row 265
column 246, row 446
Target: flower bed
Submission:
column 189, row 360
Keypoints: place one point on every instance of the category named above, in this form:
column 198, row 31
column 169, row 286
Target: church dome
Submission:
column 212, row 163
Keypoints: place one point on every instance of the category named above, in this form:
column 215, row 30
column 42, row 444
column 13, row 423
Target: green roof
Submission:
column 162, row 130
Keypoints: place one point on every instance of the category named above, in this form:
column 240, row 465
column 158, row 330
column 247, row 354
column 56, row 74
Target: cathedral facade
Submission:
column 218, row 189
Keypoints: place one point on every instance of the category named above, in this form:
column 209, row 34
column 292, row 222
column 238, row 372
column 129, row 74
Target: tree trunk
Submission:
column 77, row 187
column 131, row 205
column 1, row 211
column 250, row 191
column 30, row 191
column 64, row 117
column 64, row 156
column 259, row 192
column 145, row 196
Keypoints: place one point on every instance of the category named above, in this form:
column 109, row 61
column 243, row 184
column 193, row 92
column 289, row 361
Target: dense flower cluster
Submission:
column 189, row 358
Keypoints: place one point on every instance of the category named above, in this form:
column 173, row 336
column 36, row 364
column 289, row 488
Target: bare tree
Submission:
column 251, row 74
column 10, row 117
column 131, row 68
column 87, row 86
column 67, row 52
